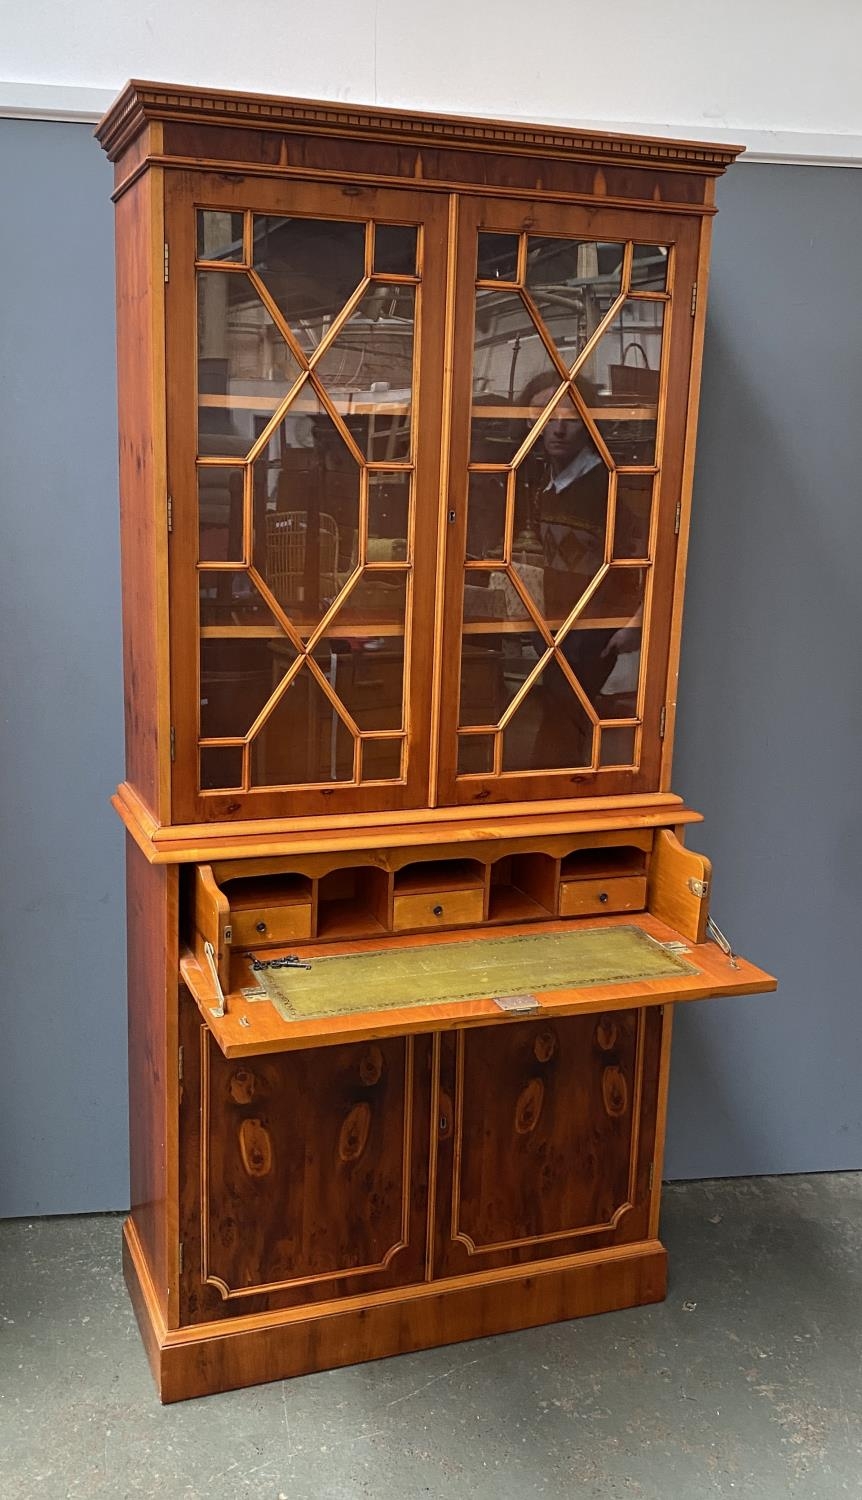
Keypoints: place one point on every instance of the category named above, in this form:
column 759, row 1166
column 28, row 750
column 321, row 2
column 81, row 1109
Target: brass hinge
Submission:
column 173, row 743
column 167, row 262
column 180, row 1065
column 651, row 1171
column 693, row 297
column 662, row 721
column 170, row 512
column 181, row 1257
column 677, row 518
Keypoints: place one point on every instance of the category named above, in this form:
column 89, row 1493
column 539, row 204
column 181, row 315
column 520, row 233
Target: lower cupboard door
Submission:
column 303, row 1174
column 545, row 1136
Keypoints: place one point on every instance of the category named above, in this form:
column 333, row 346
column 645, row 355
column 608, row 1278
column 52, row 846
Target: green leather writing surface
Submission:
column 484, row 968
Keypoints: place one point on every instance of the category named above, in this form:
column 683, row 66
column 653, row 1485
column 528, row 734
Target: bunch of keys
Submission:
column 290, row 961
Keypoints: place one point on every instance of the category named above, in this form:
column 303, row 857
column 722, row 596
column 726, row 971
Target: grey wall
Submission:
column 768, row 735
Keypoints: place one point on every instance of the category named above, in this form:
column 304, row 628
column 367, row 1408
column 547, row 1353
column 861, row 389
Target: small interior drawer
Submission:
column 271, row 924
column 597, row 896
column 437, row 909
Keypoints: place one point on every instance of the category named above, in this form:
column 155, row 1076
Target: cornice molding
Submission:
column 142, row 102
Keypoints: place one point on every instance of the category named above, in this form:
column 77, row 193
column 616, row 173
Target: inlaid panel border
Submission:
column 229, row 1293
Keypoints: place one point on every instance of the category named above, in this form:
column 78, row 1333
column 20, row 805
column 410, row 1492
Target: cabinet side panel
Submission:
column 143, row 497
column 151, row 896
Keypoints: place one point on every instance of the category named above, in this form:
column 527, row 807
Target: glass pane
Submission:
column 237, row 678
column 305, row 510
column 221, row 766
column 367, row 674
column 381, row 760
column 309, row 267
column 561, row 508
column 368, row 372
column 603, row 648
column 228, row 599
column 388, row 516
column 497, row 257
column 303, row 740
column 219, row 235
column 573, row 284
column 617, row 747
column 493, row 668
column 220, row 494
column 510, row 362
column 475, row 754
column 649, row 268
column 486, row 516
column 550, row 729
column 634, row 509
column 395, row 249
column 493, row 597
column 245, row 368
column 622, row 375
column 377, row 599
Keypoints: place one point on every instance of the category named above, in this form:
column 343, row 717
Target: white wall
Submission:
column 778, row 75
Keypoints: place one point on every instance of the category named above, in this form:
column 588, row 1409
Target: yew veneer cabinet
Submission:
column 407, row 420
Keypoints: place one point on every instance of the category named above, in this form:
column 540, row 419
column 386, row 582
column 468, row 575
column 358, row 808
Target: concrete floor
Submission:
column 747, row 1382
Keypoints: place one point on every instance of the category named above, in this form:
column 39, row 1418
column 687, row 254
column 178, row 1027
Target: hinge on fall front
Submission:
column 677, row 518
column 170, row 512
column 180, row 1065
column 173, row 743
column 181, row 1257
column 651, row 1173
column 693, row 297
column 167, row 262
column 662, row 721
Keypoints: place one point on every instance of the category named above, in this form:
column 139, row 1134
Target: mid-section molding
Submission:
column 201, row 842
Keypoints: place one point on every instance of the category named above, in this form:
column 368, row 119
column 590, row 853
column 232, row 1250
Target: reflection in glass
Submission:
column 378, row 598
column 367, row 675
column 245, row 368
column 238, row 677
column 497, row 257
column 219, row 235
column 550, row 729
column 230, row 598
column 304, row 739
column 634, row 512
column 381, row 760
column 475, row 754
column 486, row 516
column 604, row 650
column 395, row 249
column 561, row 508
column 388, row 516
column 649, row 268
column 220, row 493
column 493, row 669
column 309, row 267
column 305, row 510
column 368, row 371
column 573, row 284
column 509, row 360
column 221, row 767
column 617, row 747
column 622, row 374
column 492, row 596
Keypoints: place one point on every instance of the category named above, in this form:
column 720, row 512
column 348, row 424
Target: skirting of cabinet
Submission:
column 213, row 1357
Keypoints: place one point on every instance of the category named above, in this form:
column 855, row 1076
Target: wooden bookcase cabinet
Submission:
column 407, row 410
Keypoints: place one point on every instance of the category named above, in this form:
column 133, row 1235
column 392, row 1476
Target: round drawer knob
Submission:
column 261, row 927
column 438, row 911
column 603, row 896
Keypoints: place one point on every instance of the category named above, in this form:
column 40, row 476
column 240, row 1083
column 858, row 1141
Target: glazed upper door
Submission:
column 304, row 369
column 572, row 350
